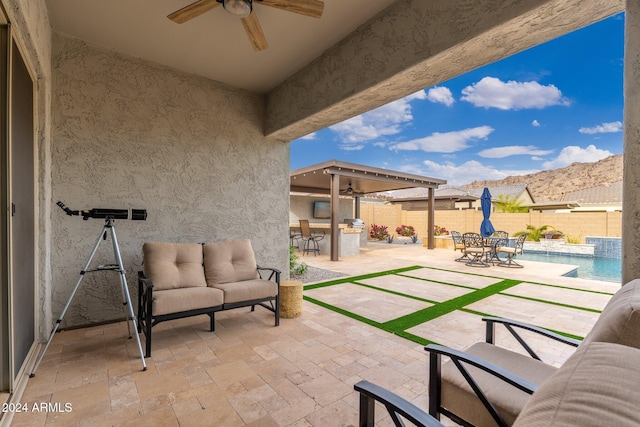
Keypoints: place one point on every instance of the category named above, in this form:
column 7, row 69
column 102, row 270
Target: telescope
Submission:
column 133, row 214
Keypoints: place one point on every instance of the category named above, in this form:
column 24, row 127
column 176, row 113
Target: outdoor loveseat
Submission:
column 488, row 385
column 189, row 279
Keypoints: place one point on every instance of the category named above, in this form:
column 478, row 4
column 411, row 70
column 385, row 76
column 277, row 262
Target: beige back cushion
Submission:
column 173, row 265
column 597, row 386
column 619, row 322
column 231, row 261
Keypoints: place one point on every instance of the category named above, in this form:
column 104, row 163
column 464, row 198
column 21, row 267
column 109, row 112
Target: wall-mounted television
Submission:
column 322, row 210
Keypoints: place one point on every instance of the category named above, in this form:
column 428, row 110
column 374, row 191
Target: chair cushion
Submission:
column 248, row 290
column 231, row 261
column 619, row 321
column 459, row 398
column 597, row 386
column 173, row 265
column 178, row 300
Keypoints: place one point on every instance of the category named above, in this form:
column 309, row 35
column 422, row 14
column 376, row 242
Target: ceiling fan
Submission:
column 244, row 8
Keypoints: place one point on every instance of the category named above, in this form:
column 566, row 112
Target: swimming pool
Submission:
column 608, row 269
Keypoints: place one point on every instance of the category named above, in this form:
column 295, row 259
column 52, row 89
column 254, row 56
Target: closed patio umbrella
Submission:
column 486, row 228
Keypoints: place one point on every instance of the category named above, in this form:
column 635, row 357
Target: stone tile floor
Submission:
column 299, row 374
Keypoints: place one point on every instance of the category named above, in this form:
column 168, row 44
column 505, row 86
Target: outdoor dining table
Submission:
column 492, row 254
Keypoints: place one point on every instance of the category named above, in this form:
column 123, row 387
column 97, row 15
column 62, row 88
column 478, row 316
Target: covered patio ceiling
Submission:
column 316, row 179
column 342, row 178
column 360, row 54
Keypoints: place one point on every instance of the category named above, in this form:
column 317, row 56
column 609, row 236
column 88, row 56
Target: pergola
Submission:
column 326, row 178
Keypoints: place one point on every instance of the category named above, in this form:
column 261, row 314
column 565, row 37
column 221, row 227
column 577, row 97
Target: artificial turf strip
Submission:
column 544, row 301
column 399, row 325
column 430, row 313
column 362, row 277
column 407, row 335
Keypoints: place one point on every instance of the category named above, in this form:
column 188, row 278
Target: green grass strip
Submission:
column 392, row 292
column 344, row 312
column 430, row 313
column 481, row 314
column 362, row 277
column 403, row 334
column 560, row 304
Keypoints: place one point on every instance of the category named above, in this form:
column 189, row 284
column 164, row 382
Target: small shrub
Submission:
column 405, row 230
column 390, row 238
column 440, row 231
column 294, row 267
column 414, row 238
column 378, row 232
column 573, row 239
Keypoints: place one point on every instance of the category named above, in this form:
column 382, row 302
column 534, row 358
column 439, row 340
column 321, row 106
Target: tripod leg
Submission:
column 125, row 290
column 66, row 306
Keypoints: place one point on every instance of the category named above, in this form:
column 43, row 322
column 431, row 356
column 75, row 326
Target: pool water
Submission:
column 608, row 269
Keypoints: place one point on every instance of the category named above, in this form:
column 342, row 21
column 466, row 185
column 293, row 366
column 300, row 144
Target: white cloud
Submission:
column 513, row 150
column 383, row 121
column 603, row 128
column 312, row 135
column 572, row 154
column 448, row 142
column 441, row 94
column 535, row 123
column 464, row 173
column 492, row 92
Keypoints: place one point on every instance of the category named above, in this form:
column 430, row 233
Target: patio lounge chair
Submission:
column 488, row 385
column 512, row 252
column 458, row 245
column 475, row 248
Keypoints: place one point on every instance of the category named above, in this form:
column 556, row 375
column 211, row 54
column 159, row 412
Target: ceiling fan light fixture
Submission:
column 239, row 8
column 350, row 189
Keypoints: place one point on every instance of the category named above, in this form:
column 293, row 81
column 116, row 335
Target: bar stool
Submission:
column 309, row 239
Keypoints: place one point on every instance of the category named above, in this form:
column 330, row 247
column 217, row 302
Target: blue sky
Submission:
column 544, row 108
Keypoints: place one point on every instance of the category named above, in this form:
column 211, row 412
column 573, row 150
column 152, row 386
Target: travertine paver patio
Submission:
column 249, row 372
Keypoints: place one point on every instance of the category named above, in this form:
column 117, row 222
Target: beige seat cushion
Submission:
column 173, row 265
column 231, row 261
column 248, row 290
column 459, row 398
column 619, row 322
column 597, row 386
column 185, row 299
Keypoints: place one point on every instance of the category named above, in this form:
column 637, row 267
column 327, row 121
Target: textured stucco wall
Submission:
column 631, row 174
column 130, row 134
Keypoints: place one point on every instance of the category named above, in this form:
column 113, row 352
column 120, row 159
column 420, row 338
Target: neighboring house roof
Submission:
column 513, row 191
column 610, row 193
column 451, row 191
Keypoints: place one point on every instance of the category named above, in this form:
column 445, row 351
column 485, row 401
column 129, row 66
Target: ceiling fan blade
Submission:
column 192, row 11
column 254, row 31
column 311, row 8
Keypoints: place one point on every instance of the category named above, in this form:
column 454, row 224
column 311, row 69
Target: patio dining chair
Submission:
column 512, row 252
column 475, row 249
column 458, row 245
column 497, row 239
column 310, row 240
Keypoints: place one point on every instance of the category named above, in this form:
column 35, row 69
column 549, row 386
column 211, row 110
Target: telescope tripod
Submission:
column 108, row 227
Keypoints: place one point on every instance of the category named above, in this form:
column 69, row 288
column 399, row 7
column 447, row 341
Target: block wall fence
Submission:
column 573, row 224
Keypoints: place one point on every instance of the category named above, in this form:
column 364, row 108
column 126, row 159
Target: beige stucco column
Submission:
column 631, row 175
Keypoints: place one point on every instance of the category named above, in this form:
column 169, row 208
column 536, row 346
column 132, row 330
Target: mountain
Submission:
column 551, row 184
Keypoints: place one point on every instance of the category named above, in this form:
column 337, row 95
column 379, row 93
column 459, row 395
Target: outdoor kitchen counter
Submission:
column 349, row 243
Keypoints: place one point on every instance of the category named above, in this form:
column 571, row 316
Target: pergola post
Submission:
column 335, row 209
column 431, row 240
